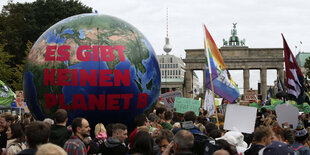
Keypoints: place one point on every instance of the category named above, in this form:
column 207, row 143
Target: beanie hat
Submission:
column 301, row 133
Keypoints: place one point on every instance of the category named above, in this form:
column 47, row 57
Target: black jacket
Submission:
column 113, row 146
column 253, row 150
column 59, row 135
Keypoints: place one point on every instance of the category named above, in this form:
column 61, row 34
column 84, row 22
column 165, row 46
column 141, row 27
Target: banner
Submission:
column 182, row 105
column 6, row 95
column 209, row 103
column 169, row 98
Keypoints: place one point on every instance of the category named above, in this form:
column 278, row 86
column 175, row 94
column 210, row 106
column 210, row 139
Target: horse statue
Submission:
column 224, row 42
column 242, row 42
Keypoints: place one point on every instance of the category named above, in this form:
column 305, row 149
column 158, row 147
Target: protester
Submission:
column 301, row 135
column 166, row 123
column 215, row 133
column 74, row 145
column 278, row 134
column 163, row 139
column 37, row 133
column 154, row 119
column 262, row 137
column 235, row 139
column 191, row 116
column 100, row 136
column 142, row 144
column 50, row 149
column 140, row 120
column 15, row 143
column 160, row 112
column 221, row 152
column 6, row 119
column 277, row 148
column 304, row 120
column 224, row 145
column 109, row 129
column 116, row 143
column 209, row 127
column 182, row 143
column 59, row 132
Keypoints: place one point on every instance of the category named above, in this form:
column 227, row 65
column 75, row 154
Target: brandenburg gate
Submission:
column 236, row 56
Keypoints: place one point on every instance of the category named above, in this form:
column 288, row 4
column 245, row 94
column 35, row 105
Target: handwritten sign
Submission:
column 168, row 98
column 183, row 105
column 19, row 98
column 250, row 95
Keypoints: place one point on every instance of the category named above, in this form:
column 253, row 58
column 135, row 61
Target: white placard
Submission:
column 240, row 118
column 168, row 98
column 287, row 113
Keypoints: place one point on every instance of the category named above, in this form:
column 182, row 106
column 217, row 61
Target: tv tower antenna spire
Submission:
column 167, row 47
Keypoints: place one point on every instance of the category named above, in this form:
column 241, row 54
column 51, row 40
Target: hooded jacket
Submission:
column 113, row 146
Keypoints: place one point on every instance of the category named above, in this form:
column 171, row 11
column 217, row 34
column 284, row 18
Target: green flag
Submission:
column 6, row 95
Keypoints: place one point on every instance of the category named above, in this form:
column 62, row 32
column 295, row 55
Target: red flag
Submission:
column 294, row 77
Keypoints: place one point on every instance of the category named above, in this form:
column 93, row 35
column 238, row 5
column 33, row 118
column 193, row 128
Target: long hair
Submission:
column 17, row 132
column 143, row 143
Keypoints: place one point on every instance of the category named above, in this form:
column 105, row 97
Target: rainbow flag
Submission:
column 223, row 85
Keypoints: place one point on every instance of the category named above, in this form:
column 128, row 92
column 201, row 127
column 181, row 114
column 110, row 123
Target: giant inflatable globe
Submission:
column 94, row 66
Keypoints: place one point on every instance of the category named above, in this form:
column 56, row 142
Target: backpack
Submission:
column 204, row 145
column 301, row 150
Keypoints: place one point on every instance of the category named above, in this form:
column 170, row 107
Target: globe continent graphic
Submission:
column 53, row 74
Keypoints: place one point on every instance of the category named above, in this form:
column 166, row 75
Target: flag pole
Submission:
column 210, row 73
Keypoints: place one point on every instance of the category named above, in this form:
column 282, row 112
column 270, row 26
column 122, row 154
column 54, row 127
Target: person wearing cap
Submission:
column 275, row 148
column 301, row 135
column 235, row 139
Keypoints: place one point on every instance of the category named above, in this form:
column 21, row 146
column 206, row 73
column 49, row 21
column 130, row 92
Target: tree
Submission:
column 6, row 72
column 20, row 22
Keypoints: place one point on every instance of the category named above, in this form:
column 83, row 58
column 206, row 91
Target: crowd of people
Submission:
column 160, row 132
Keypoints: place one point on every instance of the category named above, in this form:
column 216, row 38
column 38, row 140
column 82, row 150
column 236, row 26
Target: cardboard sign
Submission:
column 168, row 98
column 240, row 118
column 250, row 95
column 183, row 105
column 287, row 113
column 19, row 98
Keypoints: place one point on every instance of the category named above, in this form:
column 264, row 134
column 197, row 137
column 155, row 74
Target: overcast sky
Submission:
column 260, row 22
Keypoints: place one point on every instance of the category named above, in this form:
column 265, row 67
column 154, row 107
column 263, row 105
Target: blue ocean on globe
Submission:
column 93, row 29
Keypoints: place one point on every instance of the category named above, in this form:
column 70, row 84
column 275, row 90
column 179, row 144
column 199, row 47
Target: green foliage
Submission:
column 307, row 67
column 6, row 71
column 21, row 24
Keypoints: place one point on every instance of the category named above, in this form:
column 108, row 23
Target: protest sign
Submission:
column 240, row 118
column 218, row 101
column 19, row 98
column 168, row 98
column 250, row 95
column 287, row 113
column 183, row 105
